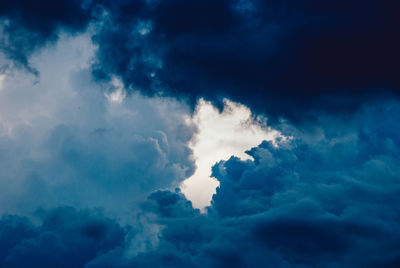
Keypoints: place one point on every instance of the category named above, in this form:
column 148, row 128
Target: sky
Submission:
column 228, row 133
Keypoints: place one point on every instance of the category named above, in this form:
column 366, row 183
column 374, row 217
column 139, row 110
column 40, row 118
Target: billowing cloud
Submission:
column 91, row 149
column 64, row 141
column 287, row 59
column 65, row 238
column 220, row 135
column 284, row 58
column 326, row 198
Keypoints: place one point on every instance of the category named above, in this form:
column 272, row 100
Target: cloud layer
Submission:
column 92, row 148
column 327, row 198
column 285, row 58
column 65, row 238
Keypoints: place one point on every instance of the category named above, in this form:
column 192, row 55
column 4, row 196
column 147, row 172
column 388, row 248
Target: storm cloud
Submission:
column 65, row 238
column 27, row 26
column 94, row 146
column 325, row 198
column 285, row 58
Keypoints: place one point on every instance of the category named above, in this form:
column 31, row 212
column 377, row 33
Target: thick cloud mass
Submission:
column 280, row 57
column 325, row 198
column 286, row 58
column 28, row 25
column 87, row 165
column 69, row 141
column 66, row 238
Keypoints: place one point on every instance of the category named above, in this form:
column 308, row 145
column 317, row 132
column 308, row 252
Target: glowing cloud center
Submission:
column 220, row 135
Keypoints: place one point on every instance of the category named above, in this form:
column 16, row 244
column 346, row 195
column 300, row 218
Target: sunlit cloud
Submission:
column 220, row 135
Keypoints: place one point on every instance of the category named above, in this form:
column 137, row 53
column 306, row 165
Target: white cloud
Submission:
column 63, row 141
column 68, row 140
column 220, row 135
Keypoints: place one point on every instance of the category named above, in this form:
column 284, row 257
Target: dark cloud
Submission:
column 284, row 58
column 278, row 57
column 13, row 230
column 29, row 25
column 65, row 238
column 326, row 198
column 169, row 204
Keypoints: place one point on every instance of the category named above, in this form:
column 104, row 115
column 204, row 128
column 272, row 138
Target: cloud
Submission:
column 63, row 142
column 220, row 135
column 286, row 59
column 328, row 197
column 27, row 26
column 65, row 238
column 88, row 166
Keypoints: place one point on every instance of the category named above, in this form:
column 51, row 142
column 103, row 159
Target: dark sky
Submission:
column 285, row 58
column 94, row 139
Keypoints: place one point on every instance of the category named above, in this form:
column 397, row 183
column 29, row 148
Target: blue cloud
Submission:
column 328, row 197
column 68, row 144
column 86, row 179
column 66, row 238
column 27, row 26
column 286, row 59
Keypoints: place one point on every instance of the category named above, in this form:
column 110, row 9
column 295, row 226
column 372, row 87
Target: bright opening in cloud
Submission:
column 220, row 135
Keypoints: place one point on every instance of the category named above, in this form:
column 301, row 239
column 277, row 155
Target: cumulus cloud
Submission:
column 88, row 159
column 328, row 197
column 64, row 142
column 220, row 135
